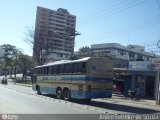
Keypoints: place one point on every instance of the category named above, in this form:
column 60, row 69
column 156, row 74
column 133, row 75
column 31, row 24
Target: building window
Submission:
column 140, row 57
column 132, row 55
column 121, row 52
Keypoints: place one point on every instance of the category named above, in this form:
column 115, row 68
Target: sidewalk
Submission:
column 121, row 98
column 22, row 84
column 27, row 85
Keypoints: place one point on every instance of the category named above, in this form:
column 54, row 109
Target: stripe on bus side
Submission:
column 73, row 78
column 75, row 86
column 80, row 94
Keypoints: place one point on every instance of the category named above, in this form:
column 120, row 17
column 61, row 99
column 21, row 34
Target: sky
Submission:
column 99, row 21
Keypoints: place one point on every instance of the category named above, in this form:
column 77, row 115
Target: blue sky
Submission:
column 98, row 21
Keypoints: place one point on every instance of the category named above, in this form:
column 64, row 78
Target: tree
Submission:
column 42, row 44
column 26, row 64
column 10, row 57
column 100, row 53
column 84, row 52
column 29, row 39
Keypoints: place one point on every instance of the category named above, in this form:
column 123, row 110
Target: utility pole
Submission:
column 15, row 69
column 158, row 80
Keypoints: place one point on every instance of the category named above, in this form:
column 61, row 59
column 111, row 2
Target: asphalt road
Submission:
column 26, row 104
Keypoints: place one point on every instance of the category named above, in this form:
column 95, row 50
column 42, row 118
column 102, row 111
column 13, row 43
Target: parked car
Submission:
column 4, row 81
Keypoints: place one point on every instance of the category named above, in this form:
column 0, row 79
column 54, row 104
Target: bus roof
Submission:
column 64, row 61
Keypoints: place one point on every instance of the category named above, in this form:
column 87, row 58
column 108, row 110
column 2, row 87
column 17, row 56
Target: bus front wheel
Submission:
column 66, row 95
column 59, row 94
column 38, row 90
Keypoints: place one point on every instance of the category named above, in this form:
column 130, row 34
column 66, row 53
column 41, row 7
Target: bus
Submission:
column 84, row 78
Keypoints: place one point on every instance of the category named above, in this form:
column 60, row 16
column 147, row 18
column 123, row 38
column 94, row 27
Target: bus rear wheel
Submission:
column 66, row 95
column 87, row 100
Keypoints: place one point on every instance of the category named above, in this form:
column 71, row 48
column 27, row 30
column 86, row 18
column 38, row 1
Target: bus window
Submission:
column 50, row 70
column 70, row 68
column 36, row 71
column 83, row 67
column 45, row 71
column 61, row 69
column 75, row 66
column 66, row 68
column 53, row 70
column 57, row 69
column 41, row 71
column 79, row 68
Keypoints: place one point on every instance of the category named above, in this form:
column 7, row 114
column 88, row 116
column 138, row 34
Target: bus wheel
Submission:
column 38, row 90
column 59, row 94
column 66, row 95
column 87, row 100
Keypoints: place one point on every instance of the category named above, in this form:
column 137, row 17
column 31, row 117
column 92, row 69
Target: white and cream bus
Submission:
column 85, row 78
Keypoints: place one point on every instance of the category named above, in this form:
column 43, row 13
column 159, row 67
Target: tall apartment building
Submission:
column 54, row 30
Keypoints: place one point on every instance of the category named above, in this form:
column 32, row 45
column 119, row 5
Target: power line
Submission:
column 101, row 12
column 158, row 4
column 147, row 23
column 114, row 11
column 108, row 13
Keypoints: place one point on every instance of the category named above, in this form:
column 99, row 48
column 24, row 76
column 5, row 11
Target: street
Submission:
column 18, row 99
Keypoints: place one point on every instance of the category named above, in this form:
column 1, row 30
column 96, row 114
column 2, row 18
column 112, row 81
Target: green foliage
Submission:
column 101, row 53
column 10, row 53
column 14, row 59
column 84, row 52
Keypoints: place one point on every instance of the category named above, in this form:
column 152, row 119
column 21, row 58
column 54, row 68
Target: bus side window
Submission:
column 41, row 71
column 66, row 68
column 57, row 69
column 75, row 66
column 36, row 71
column 46, row 70
column 79, row 68
column 53, row 70
column 50, row 70
column 70, row 68
column 61, row 69
column 83, row 67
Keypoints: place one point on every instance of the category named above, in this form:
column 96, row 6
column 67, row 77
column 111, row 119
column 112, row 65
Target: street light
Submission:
column 158, row 44
column 71, row 33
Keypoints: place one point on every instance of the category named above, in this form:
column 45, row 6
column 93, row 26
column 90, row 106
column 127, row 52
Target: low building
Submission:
column 129, row 53
column 144, row 78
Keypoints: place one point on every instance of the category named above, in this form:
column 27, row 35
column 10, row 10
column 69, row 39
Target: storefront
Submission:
column 143, row 78
column 122, row 81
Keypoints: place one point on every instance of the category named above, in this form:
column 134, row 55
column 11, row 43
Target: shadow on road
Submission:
column 113, row 106
column 123, row 108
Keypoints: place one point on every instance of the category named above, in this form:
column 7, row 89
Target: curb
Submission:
column 23, row 85
column 142, row 102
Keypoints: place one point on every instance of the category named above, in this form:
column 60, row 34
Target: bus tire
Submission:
column 38, row 90
column 66, row 94
column 59, row 93
column 87, row 100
